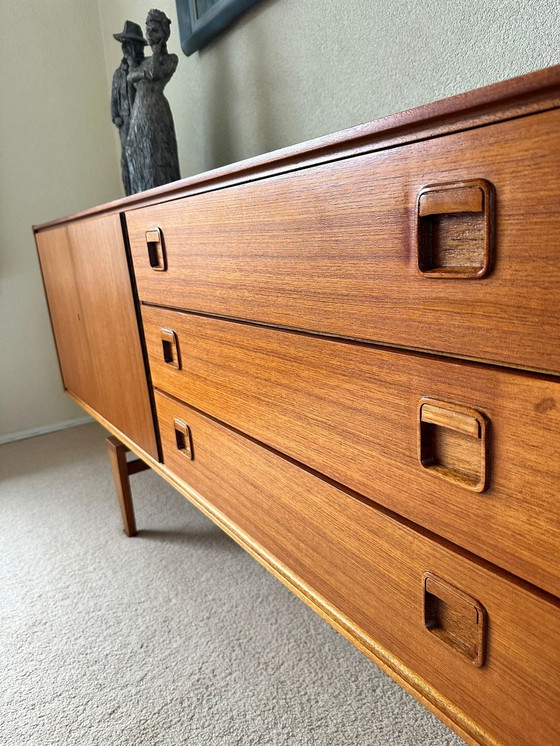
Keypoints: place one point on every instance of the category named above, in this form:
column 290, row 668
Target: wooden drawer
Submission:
column 369, row 568
column 353, row 412
column 333, row 248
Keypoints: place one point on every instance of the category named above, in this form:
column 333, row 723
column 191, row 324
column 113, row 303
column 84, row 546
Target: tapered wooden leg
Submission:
column 122, row 469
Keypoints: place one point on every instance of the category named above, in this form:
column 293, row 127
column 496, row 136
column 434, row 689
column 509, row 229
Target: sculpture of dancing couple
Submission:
column 140, row 110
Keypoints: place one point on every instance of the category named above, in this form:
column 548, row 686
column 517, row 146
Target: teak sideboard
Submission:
column 347, row 354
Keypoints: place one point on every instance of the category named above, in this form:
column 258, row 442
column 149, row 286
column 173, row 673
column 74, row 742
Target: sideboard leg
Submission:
column 122, row 469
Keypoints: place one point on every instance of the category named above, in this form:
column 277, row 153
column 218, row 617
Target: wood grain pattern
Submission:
column 370, row 568
column 453, row 418
column 333, row 249
column 352, row 412
column 456, row 244
column 534, row 92
column 436, row 200
column 67, row 316
column 112, row 327
column 90, row 298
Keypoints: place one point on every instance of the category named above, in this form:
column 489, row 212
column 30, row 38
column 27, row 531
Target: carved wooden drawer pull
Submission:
column 156, row 249
column 183, row 438
column 455, row 226
column 170, row 348
column 456, row 618
column 452, row 442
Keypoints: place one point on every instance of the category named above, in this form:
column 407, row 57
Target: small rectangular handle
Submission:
column 183, row 438
column 170, row 348
column 455, row 230
column 456, row 618
column 156, row 249
column 452, row 443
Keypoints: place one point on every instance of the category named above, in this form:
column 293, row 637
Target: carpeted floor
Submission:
column 174, row 637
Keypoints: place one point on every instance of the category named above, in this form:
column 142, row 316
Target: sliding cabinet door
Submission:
column 87, row 276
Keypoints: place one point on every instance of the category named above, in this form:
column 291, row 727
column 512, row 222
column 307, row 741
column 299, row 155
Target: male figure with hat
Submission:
column 122, row 93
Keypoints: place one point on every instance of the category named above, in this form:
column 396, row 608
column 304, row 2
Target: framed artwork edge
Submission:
column 197, row 29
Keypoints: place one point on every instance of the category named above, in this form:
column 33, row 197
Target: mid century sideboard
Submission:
column 347, row 354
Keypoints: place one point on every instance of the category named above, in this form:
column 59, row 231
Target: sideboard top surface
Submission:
column 527, row 94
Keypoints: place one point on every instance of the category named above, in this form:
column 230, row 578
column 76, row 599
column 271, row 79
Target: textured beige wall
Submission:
column 287, row 72
column 57, row 157
column 291, row 70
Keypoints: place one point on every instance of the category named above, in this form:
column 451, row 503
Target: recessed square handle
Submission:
column 156, row 249
column 455, row 230
column 452, row 442
column 456, row 618
column 183, row 438
column 170, row 348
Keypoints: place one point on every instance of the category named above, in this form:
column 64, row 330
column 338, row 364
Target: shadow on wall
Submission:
column 220, row 139
column 233, row 134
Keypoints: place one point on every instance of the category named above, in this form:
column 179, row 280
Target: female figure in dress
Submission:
column 151, row 145
column 122, row 92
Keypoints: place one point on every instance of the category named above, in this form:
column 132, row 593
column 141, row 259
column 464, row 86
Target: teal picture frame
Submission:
column 200, row 21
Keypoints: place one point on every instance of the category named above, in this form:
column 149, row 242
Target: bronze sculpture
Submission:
column 151, row 145
column 122, row 92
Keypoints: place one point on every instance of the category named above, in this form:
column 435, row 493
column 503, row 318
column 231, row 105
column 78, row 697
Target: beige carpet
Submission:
column 174, row 637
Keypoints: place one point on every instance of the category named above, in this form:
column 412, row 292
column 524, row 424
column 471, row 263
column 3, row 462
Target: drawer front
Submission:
column 467, row 450
column 335, row 248
column 385, row 578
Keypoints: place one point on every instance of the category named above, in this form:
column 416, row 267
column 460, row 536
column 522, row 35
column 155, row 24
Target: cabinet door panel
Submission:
column 103, row 280
column 88, row 286
column 67, row 316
